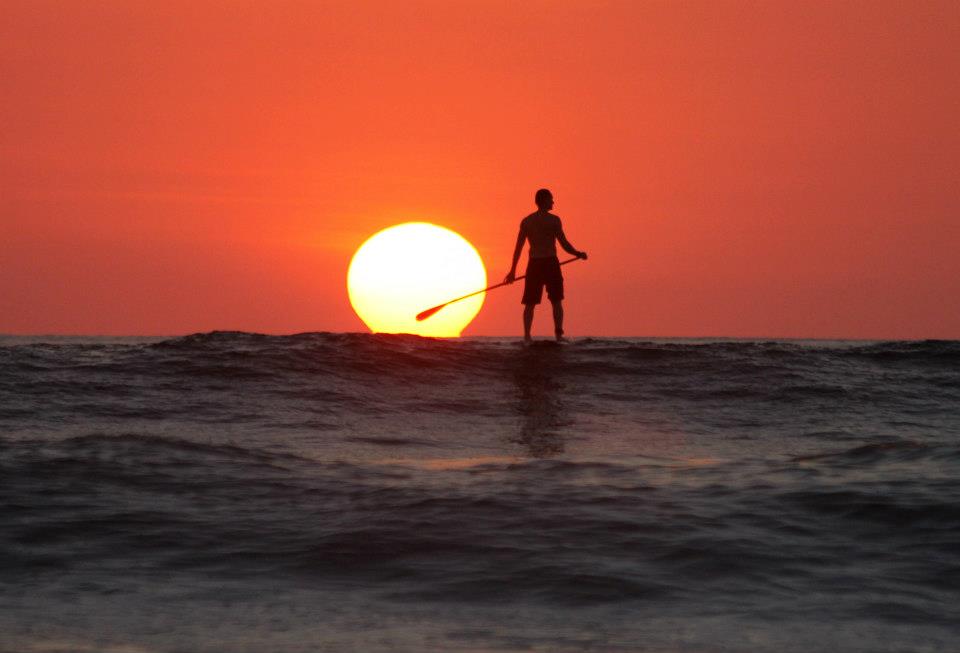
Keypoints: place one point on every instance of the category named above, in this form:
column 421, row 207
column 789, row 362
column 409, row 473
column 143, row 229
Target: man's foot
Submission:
column 560, row 337
column 527, row 339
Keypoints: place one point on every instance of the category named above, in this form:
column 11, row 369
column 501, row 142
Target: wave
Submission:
column 610, row 477
column 558, row 532
column 230, row 354
column 319, row 381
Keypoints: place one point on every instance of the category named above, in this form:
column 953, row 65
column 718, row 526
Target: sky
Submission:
column 742, row 169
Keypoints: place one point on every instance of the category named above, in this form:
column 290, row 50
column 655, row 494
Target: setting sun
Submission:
column 409, row 267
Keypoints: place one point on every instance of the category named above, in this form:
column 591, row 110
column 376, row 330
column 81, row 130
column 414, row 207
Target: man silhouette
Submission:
column 543, row 229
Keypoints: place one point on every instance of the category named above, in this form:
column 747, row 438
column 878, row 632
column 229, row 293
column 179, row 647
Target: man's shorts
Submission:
column 542, row 272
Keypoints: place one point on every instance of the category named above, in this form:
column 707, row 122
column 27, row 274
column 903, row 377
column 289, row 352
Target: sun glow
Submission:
column 409, row 267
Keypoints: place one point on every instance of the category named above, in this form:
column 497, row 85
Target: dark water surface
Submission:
column 341, row 492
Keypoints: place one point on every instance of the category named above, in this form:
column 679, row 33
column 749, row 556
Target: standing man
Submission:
column 543, row 229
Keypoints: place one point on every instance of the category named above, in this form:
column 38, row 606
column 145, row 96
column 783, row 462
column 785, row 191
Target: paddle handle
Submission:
column 504, row 283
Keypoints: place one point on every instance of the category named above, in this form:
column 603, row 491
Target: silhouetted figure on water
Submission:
column 542, row 229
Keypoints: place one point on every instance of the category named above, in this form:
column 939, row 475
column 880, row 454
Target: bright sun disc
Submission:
column 410, row 267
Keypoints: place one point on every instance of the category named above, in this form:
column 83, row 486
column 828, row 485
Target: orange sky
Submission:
column 733, row 168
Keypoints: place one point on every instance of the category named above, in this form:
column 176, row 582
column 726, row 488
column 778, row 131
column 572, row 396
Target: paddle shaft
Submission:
column 430, row 311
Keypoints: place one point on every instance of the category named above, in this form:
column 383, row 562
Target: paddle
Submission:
column 430, row 311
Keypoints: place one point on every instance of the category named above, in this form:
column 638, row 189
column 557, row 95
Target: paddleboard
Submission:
column 545, row 344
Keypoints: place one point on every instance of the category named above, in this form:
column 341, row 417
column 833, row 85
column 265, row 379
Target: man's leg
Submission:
column 527, row 320
column 558, row 317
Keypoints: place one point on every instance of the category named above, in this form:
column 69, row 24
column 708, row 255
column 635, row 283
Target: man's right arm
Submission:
column 521, row 236
column 565, row 244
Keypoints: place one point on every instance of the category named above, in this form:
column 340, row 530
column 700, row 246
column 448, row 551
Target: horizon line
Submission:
column 467, row 337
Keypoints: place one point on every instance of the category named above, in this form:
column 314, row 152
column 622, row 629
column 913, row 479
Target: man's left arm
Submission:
column 521, row 238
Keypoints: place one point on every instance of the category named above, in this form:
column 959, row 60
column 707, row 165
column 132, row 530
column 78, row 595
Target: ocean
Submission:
column 232, row 492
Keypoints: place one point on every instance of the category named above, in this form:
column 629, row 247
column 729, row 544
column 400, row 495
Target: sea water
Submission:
column 228, row 492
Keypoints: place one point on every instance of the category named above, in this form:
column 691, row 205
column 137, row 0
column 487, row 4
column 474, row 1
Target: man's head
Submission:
column 544, row 199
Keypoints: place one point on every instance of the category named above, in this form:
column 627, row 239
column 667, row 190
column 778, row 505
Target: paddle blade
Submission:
column 427, row 313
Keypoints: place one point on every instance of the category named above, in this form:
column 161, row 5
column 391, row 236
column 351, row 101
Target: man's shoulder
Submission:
column 536, row 215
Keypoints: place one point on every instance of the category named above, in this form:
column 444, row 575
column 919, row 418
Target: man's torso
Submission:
column 541, row 230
